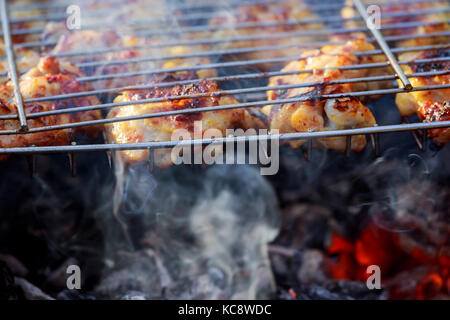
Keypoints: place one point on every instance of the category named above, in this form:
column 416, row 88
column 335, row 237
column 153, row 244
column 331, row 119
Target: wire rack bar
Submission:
column 233, row 39
column 384, row 46
column 281, row 137
column 200, row 4
column 247, row 77
column 245, row 50
column 207, row 109
column 393, row 14
column 234, row 64
column 104, row 63
column 238, row 77
column 219, row 79
column 12, row 65
column 142, row 23
column 222, row 93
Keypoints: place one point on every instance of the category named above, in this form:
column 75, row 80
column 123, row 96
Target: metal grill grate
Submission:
column 54, row 14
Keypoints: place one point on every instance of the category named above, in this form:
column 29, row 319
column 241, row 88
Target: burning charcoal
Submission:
column 413, row 284
column 73, row 295
column 30, row 291
column 16, row 267
column 304, row 225
column 338, row 290
column 312, row 268
column 58, row 277
column 7, row 289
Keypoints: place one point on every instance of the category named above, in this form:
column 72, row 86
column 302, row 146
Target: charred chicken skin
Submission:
column 49, row 78
column 276, row 13
column 162, row 128
column 321, row 115
column 429, row 105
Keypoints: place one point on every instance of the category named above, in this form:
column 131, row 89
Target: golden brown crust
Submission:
column 49, row 78
column 430, row 105
column 162, row 128
column 320, row 115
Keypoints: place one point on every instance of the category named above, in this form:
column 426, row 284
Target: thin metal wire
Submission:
column 394, row 14
column 222, row 52
column 384, row 46
column 280, row 137
column 236, row 51
column 12, row 65
column 225, row 107
column 197, row 4
column 220, row 93
column 218, row 79
column 231, row 65
column 147, row 22
column 222, row 39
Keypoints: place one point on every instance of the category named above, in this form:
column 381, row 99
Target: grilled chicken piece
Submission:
column 390, row 8
column 276, row 13
column 93, row 40
column 320, row 115
column 49, row 78
column 25, row 60
column 162, row 128
column 429, row 105
column 26, row 13
column 90, row 40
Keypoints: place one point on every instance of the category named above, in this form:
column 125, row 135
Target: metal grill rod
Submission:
column 247, row 38
column 237, row 64
column 141, row 23
column 229, row 78
column 226, row 107
column 52, row 43
column 235, row 77
column 188, row 17
column 384, row 46
column 12, row 65
column 336, row 19
column 199, row 4
column 104, row 63
column 251, row 49
column 281, row 137
column 243, row 50
column 221, row 79
column 185, row 17
column 221, row 93
column 304, row 45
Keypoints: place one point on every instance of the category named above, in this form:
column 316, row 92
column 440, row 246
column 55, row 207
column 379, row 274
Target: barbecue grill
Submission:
column 192, row 22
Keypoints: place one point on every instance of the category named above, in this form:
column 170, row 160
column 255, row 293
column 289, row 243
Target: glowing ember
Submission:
column 348, row 260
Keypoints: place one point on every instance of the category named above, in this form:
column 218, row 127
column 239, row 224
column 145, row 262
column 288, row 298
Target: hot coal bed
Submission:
column 309, row 232
column 320, row 228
